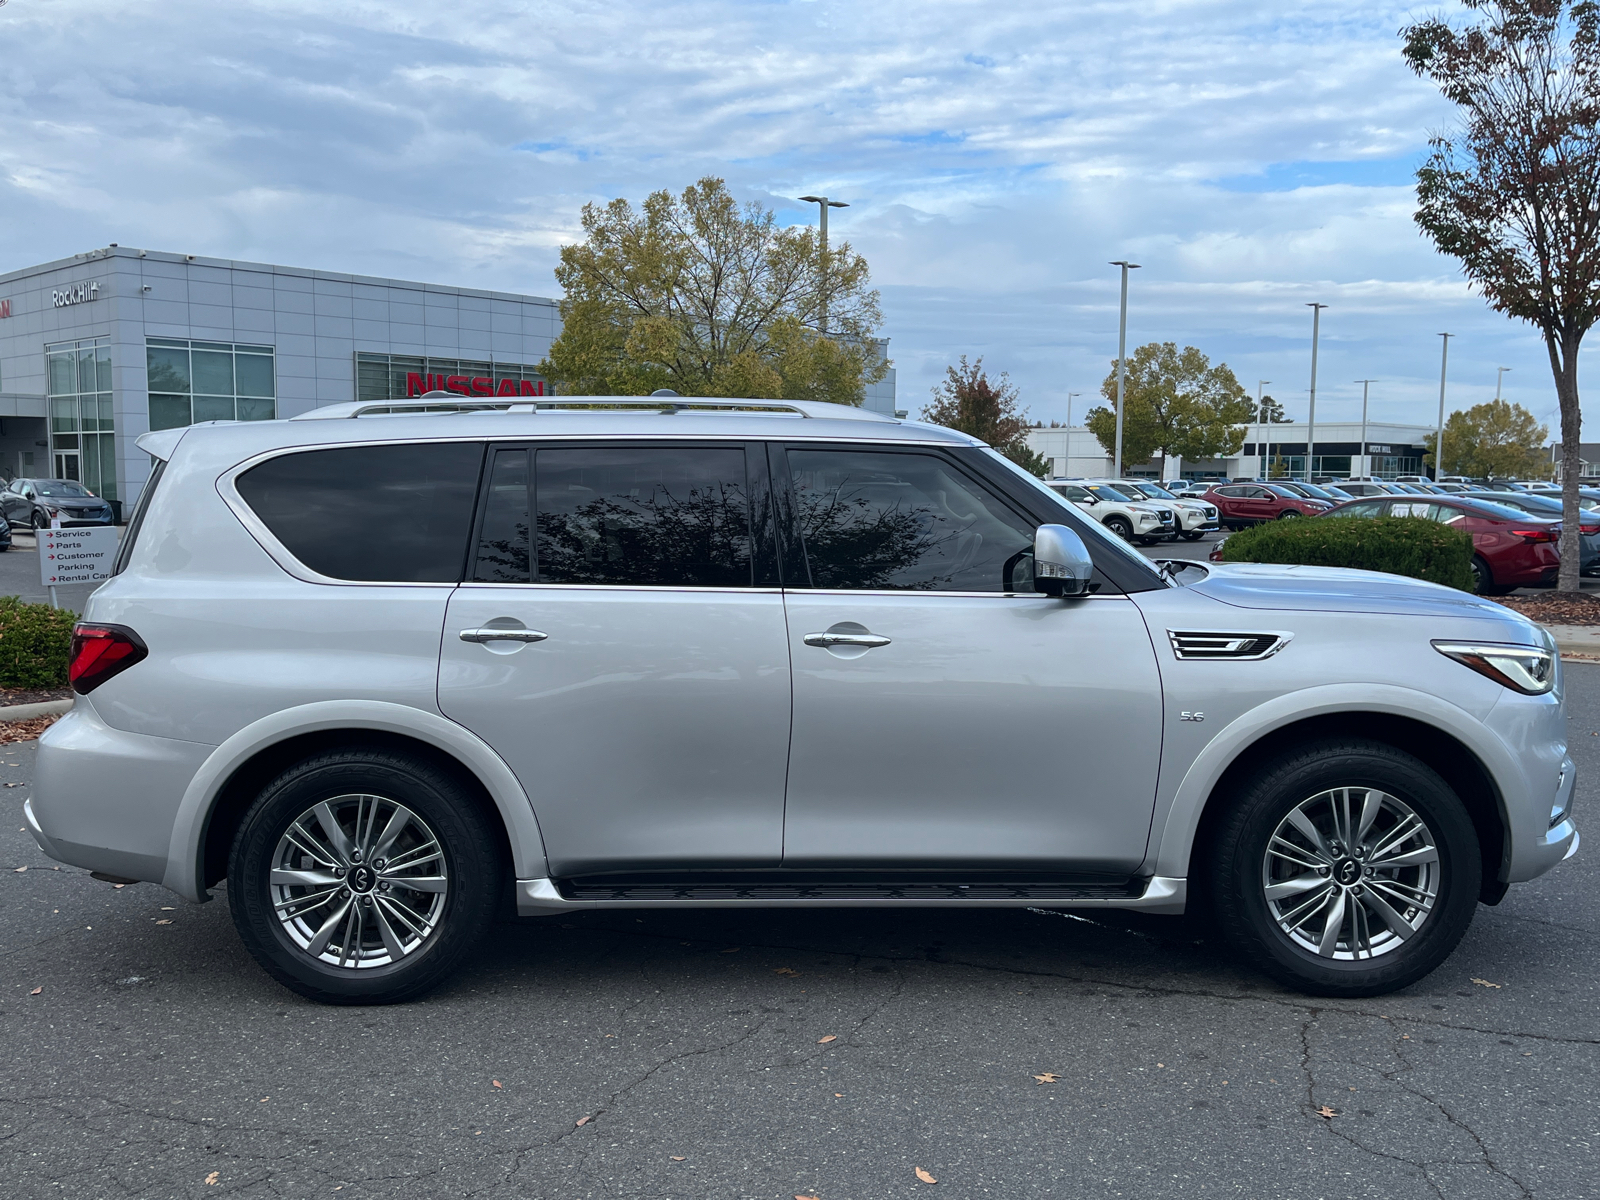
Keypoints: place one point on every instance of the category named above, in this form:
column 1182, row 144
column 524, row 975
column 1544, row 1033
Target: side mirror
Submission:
column 1061, row 562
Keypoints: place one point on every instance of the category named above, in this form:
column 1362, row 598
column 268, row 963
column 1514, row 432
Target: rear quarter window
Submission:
column 371, row 514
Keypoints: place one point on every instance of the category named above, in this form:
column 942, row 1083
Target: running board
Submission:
column 545, row 897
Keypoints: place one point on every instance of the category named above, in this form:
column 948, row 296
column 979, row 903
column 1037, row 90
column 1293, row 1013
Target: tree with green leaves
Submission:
column 970, row 401
column 1176, row 403
column 1272, row 412
column 1497, row 439
column 706, row 297
column 1514, row 192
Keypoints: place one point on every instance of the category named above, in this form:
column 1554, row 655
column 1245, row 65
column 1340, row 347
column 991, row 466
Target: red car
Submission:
column 1510, row 549
column 1241, row 504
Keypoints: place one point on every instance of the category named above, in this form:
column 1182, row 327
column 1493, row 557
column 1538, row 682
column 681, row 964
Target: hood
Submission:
column 1338, row 589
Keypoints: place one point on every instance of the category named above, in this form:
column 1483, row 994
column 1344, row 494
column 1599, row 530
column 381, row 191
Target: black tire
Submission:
column 1194, row 535
column 1288, row 514
column 440, row 806
column 1237, row 863
column 1483, row 578
column 1120, row 526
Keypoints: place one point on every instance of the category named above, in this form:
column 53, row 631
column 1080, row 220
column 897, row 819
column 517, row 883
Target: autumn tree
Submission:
column 970, row 401
column 706, row 297
column 1176, row 403
column 1272, row 412
column 1513, row 191
column 1493, row 440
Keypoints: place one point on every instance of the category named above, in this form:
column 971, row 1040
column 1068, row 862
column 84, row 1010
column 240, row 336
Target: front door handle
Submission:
column 870, row 641
column 502, row 635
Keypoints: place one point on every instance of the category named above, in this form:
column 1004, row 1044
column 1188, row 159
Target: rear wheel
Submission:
column 1120, row 526
column 363, row 877
column 1349, row 868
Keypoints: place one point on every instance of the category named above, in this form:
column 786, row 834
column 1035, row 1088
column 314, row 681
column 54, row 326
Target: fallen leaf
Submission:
column 677, row 1158
column 117, row 887
column 164, row 921
column 1161, row 1065
column 838, row 1095
column 785, row 971
column 496, row 1082
column 582, row 1121
column 832, row 1037
column 211, row 1179
column 168, row 908
column 1047, row 1077
column 799, row 1197
column 925, row 1177
column 1486, row 983
column 264, row 1099
column 1326, row 1113
column 37, row 990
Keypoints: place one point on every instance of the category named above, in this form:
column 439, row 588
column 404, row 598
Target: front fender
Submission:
column 184, row 858
column 1176, row 821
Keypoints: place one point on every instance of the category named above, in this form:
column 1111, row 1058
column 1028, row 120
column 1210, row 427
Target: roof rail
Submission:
column 451, row 402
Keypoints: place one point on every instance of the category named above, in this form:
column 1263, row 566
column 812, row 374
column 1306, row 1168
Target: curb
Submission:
column 26, row 712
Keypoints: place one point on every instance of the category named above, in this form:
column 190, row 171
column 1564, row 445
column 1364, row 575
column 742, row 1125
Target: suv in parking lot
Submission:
column 1243, row 504
column 385, row 671
column 1195, row 518
column 1128, row 517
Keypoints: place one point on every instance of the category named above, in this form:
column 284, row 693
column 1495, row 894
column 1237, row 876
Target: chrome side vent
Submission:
column 1210, row 644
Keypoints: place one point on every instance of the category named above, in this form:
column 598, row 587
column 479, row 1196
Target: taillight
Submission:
column 1589, row 528
column 101, row 651
column 1535, row 535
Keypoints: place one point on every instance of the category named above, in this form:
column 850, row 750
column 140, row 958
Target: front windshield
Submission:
column 1102, row 492
column 1088, row 530
column 62, row 487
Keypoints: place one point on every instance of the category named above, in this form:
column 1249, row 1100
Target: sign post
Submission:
column 75, row 556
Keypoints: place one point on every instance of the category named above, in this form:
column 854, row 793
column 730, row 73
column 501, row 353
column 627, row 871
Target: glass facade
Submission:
column 82, row 445
column 209, row 381
column 397, row 376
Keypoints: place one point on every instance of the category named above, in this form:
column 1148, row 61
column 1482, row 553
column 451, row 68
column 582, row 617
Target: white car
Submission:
column 1130, row 519
column 1196, row 517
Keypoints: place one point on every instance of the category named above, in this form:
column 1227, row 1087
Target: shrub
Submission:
column 1413, row 546
column 35, row 641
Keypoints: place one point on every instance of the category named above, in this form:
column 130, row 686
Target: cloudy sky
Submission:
column 1253, row 155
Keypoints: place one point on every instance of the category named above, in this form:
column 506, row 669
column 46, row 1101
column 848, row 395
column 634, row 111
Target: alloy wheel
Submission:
column 359, row 881
column 1352, row 873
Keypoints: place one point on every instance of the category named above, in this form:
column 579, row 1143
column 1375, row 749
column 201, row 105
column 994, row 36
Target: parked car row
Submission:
column 1140, row 511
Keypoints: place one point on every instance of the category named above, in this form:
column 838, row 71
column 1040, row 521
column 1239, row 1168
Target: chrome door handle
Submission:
column 502, row 635
column 870, row 640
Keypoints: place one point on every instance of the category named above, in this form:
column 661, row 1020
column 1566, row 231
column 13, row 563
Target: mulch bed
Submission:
column 10, row 696
column 26, row 731
column 1557, row 608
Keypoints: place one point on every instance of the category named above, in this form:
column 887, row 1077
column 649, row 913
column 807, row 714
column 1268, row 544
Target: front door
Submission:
column 66, row 464
column 945, row 715
column 613, row 647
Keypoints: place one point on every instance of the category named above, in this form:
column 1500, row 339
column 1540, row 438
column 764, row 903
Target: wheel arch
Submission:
column 216, row 800
column 1191, row 819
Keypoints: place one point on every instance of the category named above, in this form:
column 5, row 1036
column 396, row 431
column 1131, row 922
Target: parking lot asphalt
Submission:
column 777, row 1054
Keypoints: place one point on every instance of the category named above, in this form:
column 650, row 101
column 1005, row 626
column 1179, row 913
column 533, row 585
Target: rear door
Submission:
column 621, row 642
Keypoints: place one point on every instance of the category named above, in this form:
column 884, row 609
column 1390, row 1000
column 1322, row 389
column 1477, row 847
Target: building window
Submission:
column 209, row 381
column 82, row 444
column 397, row 376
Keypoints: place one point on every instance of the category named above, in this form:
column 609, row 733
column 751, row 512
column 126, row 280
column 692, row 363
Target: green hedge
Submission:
column 35, row 641
column 1413, row 546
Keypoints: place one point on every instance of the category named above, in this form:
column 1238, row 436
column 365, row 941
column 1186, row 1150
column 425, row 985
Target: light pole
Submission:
column 1122, row 360
column 1438, row 444
column 1261, row 431
column 825, row 205
column 1366, row 462
column 1499, row 378
column 1070, row 395
column 1311, row 430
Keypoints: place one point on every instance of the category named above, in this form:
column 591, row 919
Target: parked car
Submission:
column 5, row 535
column 1542, row 505
column 1359, row 488
column 1195, row 518
column 1510, row 548
column 1313, row 491
column 1242, row 504
column 38, row 503
column 771, row 653
column 1130, row 519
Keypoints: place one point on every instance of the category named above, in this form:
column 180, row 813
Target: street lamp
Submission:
column 1311, row 431
column 1122, row 360
column 1499, row 377
column 825, row 205
column 1366, row 461
column 1261, row 430
column 1438, row 444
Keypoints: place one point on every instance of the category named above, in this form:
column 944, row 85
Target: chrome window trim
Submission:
column 625, row 587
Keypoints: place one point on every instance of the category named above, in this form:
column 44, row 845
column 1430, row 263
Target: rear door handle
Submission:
column 870, row 640
column 502, row 635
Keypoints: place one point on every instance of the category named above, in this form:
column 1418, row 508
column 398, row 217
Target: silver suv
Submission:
column 386, row 671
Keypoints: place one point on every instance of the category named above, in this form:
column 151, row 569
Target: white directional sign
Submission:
column 76, row 555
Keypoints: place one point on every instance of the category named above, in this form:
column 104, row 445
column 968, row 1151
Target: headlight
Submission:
column 1530, row 670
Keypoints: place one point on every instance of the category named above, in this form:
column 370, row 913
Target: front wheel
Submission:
column 1348, row 868
column 1194, row 535
column 1287, row 514
column 1120, row 526
column 363, row 877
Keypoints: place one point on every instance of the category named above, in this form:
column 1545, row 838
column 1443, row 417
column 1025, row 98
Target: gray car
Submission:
column 385, row 672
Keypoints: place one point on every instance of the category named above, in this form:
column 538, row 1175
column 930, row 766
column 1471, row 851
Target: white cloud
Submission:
column 1252, row 154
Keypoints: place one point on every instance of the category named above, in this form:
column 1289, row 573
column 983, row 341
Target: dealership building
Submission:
column 101, row 347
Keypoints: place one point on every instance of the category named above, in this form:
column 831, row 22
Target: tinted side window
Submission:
column 392, row 514
column 503, row 537
column 873, row 520
column 671, row 516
